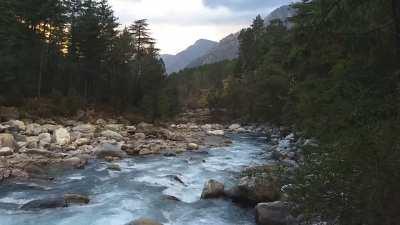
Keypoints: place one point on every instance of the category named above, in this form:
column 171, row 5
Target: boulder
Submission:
column 273, row 213
column 17, row 125
column 6, row 151
column 76, row 199
column 57, row 202
column 62, row 136
column 216, row 132
column 212, row 189
column 44, row 139
column 114, row 167
column 109, row 150
column 192, row 146
column 7, row 140
column 112, row 135
column 144, row 221
column 255, row 189
column 34, row 129
column 49, row 203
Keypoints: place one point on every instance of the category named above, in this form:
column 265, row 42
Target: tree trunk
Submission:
column 396, row 16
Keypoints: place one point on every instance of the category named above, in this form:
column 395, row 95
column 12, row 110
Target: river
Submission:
column 140, row 190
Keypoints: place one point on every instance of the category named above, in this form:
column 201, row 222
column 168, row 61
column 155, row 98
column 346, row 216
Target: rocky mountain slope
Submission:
column 228, row 47
column 174, row 63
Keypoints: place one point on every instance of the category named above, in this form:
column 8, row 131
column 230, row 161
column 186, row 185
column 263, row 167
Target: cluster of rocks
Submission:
column 261, row 190
column 28, row 148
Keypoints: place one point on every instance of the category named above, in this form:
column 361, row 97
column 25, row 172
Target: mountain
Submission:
column 228, row 48
column 174, row 63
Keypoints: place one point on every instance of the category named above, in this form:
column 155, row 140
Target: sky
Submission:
column 177, row 24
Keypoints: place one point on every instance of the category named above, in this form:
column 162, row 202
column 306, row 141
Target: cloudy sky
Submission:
column 176, row 24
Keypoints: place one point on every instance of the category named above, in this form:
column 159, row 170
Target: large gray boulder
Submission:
column 212, row 189
column 273, row 213
column 255, row 189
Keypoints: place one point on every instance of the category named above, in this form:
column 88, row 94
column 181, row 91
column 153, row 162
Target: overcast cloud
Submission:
column 178, row 23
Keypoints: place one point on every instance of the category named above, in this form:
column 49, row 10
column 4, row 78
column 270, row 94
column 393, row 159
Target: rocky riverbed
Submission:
column 129, row 171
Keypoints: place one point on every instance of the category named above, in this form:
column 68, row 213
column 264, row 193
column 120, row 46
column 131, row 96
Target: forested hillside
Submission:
column 334, row 76
column 73, row 53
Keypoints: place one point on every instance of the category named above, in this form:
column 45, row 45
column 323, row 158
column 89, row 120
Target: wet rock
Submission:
column 192, row 146
column 34, row 129
column 6, row 151
column 45, row 204
column 169, row 154
column 75, row 162
column 17, row 125
column 57, row 202
column 76, row 199
column 144, row 221
column 109, row 150
column 255, row 189
column 216, row 132
column 212, row 189
column 176, row 178
column 114, row 167
column 112, row 135
column 273, row 213
column 62, row 136
column 7, row 140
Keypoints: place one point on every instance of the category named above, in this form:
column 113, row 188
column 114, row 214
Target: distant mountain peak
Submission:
column 175, row 63
column 228, row 47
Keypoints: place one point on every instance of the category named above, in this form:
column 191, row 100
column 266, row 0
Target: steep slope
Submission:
column 174, row 63
column 228, row 48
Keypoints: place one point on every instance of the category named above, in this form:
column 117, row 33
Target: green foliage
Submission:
column 335, row 75
column 74, row 46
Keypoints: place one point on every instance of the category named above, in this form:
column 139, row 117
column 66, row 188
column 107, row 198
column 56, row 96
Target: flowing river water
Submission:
column 141, row 190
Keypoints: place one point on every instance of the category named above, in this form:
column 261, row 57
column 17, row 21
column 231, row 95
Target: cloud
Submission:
column 244, row 5
column 176, row 24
